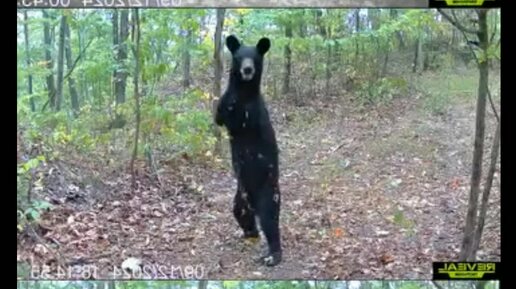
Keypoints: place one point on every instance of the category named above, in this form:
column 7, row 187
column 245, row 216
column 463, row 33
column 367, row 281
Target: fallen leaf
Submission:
column 382, row 233
column 91, row 233
column 387, row 258
column 338, row 232
column 395, row 183
column 40, row 249
column 455, row 183
column 132, row 264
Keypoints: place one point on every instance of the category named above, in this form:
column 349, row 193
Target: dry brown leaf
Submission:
column 338, row 232
column 387, row 258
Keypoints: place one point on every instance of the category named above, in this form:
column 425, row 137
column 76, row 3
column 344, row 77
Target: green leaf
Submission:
column 32, row 214
column 42, row 205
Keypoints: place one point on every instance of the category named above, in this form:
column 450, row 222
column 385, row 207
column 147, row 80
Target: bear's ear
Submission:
column 263, row 45
column 232, row 43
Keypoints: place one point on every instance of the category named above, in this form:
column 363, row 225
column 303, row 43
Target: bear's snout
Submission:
column 247, row 69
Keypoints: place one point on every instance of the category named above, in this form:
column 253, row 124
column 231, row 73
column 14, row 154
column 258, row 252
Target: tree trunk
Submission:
column 60, row 64
column 418, row 54
column 47, row 40
column 453, row 39
column 427, row 57
column 114, row 22
column 120, row 74
column 83, row 85
column 303, row 27
column 385, row 62
column 74, row 97
column 357, row 30
column 218, row 68
column 327, row 35
column 400, row 40
column 27, row 55
column 288, row 59
column 136, row 26
column 187, row 58
column 217, row 54
column 328, row 69
column 121, row 79
column 466, row 253
column 393, row 15
column 486, row 192
column 302, row 30
column 313, row 71
column 373, row 15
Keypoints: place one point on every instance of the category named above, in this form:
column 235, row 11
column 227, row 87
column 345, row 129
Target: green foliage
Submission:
column 402, row 221
column 30, row 164
column 381, row 90
column 437, row 103
column 28, row 212
column 33, row 212
column 179, row 124
column 443, row 88
column 370, row 64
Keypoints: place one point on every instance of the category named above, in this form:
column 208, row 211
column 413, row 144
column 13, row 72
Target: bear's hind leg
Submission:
column 244, row 215
column 268, row 212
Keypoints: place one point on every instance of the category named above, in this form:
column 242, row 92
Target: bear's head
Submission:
column 247, row 60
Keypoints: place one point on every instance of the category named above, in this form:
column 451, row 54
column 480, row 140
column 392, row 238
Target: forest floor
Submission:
column 366, row 194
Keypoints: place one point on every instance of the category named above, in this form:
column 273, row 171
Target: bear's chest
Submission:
column 243, row 118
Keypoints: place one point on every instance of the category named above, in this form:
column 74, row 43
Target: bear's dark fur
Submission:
column 254, row 149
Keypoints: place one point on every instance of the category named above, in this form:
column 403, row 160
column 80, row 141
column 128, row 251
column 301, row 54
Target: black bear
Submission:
column 254, row 150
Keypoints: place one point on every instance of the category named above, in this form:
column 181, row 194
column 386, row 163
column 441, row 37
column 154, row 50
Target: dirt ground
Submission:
column 367, row 194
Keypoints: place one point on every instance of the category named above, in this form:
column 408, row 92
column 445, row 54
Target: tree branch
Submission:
column 69, row 72
column 488, row 90
column 77, row 60
column 457, row 24
column 59, row 258
column 465, row 30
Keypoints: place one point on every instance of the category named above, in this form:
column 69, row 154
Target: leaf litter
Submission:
column 380, row 194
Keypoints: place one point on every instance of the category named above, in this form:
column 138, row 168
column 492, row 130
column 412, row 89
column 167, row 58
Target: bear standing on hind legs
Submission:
column 254, row 150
